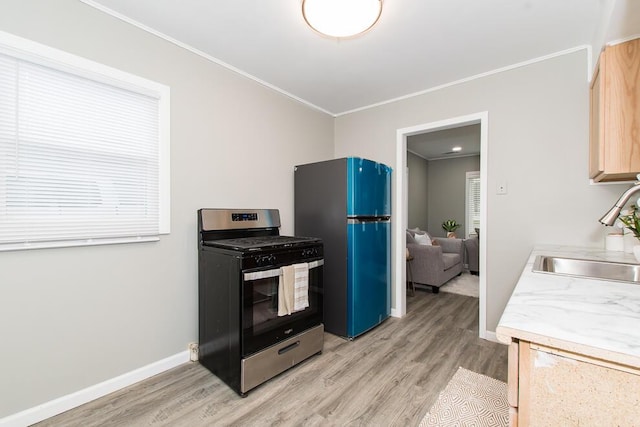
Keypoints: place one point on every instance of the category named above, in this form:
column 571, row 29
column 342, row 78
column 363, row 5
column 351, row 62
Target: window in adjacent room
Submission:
column 83, row 151
column 473, row 202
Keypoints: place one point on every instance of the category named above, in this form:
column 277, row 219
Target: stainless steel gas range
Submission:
column 260, row 296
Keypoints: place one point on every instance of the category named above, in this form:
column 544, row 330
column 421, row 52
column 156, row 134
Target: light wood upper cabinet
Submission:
column 614, row 145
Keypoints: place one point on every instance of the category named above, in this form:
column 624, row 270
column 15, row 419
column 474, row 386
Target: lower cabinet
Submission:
column 552, row 387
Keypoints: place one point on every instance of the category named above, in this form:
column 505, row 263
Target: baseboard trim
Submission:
column 491, row 336
column 73, row 400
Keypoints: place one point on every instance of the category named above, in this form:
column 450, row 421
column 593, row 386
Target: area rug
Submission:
column 465, row 284
column 470, row 399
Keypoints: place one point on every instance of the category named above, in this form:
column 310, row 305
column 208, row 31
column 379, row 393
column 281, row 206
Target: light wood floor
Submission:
column 388, row 377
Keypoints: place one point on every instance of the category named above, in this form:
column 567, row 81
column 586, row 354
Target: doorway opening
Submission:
column 400, row 208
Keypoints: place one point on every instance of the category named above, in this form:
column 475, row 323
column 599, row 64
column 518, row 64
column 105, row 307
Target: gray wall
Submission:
column 607, row 14
column 71, row 318
column 447, row 192
column 538, row 120
column 417, row 192
column 619, row 20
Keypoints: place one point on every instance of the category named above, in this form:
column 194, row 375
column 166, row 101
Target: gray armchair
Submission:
column 435, row 265
column 472, row 248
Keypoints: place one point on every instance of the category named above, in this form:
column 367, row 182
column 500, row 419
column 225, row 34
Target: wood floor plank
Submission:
column 389, row 376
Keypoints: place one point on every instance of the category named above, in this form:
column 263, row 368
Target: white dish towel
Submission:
column 301, row 287
column 293, row 289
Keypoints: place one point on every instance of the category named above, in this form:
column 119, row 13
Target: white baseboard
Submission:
column 491, row 336
column 73, row 400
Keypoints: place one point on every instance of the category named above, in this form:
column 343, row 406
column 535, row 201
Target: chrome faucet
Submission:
column 610, row 217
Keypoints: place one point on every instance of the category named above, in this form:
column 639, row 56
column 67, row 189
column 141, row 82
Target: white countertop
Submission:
column 597, row 318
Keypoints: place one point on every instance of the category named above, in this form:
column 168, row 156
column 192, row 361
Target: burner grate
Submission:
column 260, row 242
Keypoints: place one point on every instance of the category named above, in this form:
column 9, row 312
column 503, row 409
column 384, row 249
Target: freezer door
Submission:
column 368, row 188
column 369, row 275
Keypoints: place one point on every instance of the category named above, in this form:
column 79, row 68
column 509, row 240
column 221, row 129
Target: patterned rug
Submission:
column 470, row 399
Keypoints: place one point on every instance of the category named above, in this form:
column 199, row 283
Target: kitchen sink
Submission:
column 589, row 269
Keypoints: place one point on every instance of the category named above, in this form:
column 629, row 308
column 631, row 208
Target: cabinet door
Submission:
column 566, row 389
column 615, row 114
column 513, row 382
column 596, row 157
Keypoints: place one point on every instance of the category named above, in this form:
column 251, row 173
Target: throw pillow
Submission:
column 422, row 239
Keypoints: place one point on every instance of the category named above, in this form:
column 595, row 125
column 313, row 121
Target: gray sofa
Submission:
column 434, row 265
column 472, row 248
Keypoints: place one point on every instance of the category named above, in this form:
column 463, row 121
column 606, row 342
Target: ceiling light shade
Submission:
column 341, row 18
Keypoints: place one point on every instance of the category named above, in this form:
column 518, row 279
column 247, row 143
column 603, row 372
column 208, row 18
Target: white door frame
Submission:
column 400, row 209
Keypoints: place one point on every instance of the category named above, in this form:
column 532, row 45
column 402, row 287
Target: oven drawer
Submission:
column 273, row 360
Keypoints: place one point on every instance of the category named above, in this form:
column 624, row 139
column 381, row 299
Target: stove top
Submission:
column 261, row 242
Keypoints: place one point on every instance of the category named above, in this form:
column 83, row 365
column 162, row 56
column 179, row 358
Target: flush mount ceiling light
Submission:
column 341, row 18
column 456, row 149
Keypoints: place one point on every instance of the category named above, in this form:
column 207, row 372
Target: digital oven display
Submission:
column 244, row 216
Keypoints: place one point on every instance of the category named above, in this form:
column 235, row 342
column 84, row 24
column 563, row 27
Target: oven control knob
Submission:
column 264, row 259
column 306, row 253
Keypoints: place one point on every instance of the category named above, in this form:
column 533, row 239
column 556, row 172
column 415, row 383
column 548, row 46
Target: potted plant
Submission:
column 631, row 222
column 450, row 226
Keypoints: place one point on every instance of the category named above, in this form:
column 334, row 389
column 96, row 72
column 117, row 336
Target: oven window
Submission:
column 261, row 324
column 264, row 303
column 261, row 305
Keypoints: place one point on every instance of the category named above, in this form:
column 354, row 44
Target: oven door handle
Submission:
column 275, row 272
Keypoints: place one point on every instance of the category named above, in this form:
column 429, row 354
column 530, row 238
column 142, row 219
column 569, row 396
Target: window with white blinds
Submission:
column 473, row 202
column 82, row 153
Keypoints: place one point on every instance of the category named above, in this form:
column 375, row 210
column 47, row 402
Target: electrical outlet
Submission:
column 501, row 187
column 193, row 351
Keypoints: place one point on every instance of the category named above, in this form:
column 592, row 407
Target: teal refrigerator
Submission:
column 347, row 203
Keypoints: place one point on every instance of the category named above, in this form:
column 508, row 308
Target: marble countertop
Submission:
column 597, row 318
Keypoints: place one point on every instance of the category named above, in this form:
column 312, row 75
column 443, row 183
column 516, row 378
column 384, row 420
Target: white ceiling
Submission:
column 438, row 145
column 415, row 46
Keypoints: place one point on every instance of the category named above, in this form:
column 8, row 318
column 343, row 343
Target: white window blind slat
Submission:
column 80, row 159
column 473, row 202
